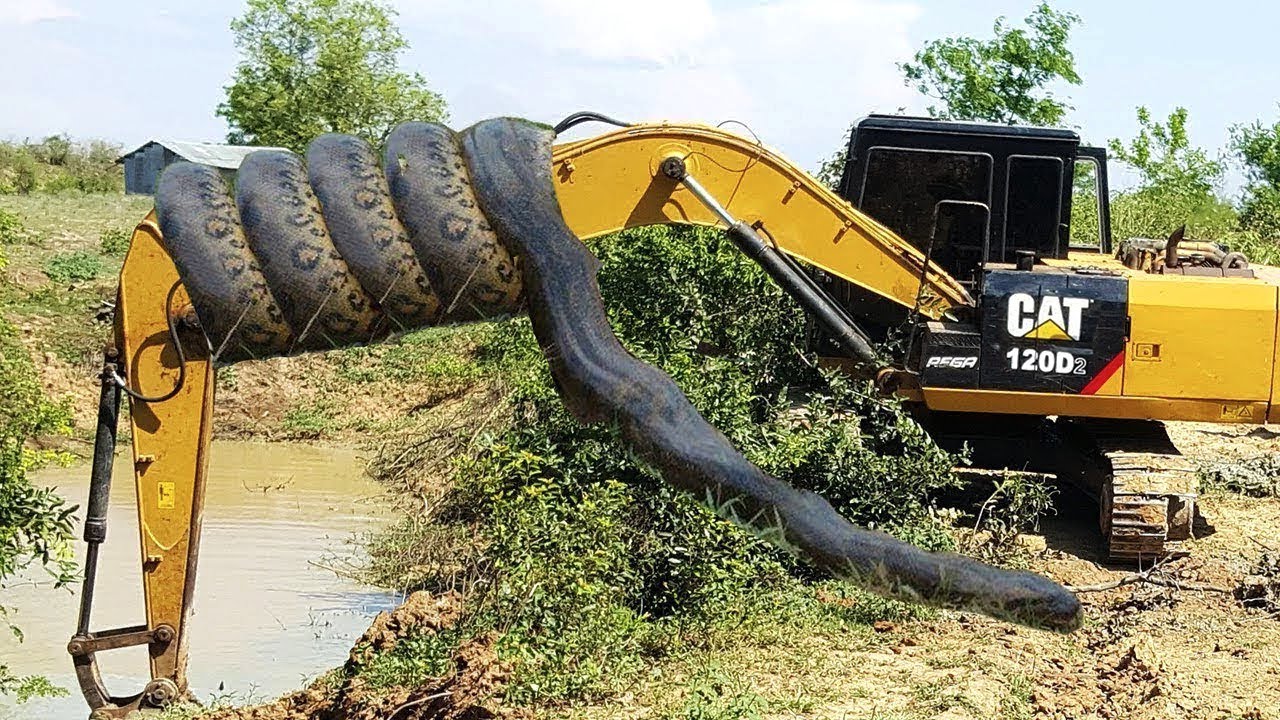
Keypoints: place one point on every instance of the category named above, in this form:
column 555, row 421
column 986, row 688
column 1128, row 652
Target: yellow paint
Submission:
column 1097, row 406
column 167, row 492
column 1216, row 338
column 1113, row 386
column 170, row 439
column 1049, row 330
column 612, row 181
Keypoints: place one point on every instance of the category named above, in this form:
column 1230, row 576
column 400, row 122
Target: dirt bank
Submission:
column 469, row 692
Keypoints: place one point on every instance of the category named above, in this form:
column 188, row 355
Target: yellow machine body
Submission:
column 1199, row 349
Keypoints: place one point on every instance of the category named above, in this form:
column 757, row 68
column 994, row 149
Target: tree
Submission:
column 1003, row 79
column 314, row 66
column 1164, row 158
column 1177, row 183
column 1258, row 147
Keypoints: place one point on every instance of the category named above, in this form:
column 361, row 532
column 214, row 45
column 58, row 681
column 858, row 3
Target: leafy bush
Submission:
column 1015, row 506
column 587, row 560
column 77, row 266
column 35, row 524
column 308, row 422
column 114, row 241
column 58, row 164
column 11, row 230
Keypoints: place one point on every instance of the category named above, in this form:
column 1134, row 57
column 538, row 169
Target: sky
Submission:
column 797, row 72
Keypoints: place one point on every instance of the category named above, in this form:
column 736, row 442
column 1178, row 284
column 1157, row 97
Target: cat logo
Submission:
column 1046, row 318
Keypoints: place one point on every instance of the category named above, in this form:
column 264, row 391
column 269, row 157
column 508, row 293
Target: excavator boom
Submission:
column 613, row 182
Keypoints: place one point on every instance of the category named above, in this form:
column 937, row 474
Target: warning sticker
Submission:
column 166, row 500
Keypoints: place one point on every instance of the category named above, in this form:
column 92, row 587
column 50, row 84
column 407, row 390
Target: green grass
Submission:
column 63, row 267
column 309, row 422
column 77, row 217
column 74, row 266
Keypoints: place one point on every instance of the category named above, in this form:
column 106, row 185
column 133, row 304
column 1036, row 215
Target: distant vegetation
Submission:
column 57, row 163
column 309, row 67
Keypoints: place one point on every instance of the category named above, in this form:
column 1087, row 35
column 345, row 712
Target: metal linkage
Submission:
column 85, row 644
column 812, row 298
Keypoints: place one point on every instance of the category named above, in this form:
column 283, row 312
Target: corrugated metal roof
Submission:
column 220, row 156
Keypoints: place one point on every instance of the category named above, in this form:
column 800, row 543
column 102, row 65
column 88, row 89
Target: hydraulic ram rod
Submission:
column 793, row 281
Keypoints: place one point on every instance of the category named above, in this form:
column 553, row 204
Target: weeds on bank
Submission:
column 114, row 241
column 77, row 266
column 309, row 422
column 593, row 570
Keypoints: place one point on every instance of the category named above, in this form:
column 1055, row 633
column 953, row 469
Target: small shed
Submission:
column 143, row 165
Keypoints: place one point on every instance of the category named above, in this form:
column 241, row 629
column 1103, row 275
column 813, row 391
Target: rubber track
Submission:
column 503, row 167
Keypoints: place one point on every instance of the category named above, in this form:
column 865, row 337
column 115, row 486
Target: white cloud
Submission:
column 25, row 12
column 797, row 71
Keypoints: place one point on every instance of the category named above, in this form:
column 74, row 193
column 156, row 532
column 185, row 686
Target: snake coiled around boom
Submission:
column 457, row 228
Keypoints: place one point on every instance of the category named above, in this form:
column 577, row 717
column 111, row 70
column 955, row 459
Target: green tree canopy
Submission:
column 1165, row 159
column 314, row 66
column 1258, row 147
column 1003, row 79
column 35, row 524
column 1177, row 183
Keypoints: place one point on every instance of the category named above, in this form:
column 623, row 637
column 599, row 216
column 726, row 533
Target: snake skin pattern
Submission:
column 468, row 207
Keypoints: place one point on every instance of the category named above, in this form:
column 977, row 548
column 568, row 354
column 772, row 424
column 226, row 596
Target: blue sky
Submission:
column 797, row 71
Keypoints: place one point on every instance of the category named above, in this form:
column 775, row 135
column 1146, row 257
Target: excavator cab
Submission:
column 970, row 194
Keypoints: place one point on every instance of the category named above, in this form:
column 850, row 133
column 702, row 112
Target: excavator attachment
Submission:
column 160, row 362
column 464, row 227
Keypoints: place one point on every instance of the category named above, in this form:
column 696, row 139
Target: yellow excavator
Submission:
column 954, row 238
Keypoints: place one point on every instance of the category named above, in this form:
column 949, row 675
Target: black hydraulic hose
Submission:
column 123, row 384
column 585, row 116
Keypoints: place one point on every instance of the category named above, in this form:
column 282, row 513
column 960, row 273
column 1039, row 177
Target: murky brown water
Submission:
column 266, row 617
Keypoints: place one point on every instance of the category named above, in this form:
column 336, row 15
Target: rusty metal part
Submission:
column 1171, row 247
column 1177, row 256
column 1146, row 489
column 83, row 649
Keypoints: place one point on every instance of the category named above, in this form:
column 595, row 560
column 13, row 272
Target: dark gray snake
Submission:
column 341, row 253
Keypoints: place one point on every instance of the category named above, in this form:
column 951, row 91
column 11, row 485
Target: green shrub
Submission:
column 114, row 241
column 58, row 164
column 35, row 523
column 588, row 562
column 78, row 266
column 308, row 422
column 11, row 230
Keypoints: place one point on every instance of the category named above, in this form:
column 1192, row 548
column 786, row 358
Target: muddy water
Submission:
column 267, row 616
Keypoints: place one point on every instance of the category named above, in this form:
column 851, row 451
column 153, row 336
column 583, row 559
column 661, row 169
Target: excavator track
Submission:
column 1146, row 489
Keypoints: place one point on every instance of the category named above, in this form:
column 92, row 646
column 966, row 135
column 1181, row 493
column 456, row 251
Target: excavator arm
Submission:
column 171, row 331
column 616, row 181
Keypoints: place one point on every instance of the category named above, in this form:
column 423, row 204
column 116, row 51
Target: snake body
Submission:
column 466, row 227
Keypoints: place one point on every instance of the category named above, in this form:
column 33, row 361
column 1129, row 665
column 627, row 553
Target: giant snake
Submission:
column 460, row 227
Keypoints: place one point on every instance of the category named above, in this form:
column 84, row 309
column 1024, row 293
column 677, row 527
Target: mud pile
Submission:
column 470, row 692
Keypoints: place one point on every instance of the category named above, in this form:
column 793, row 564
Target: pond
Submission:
column 268, row 614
